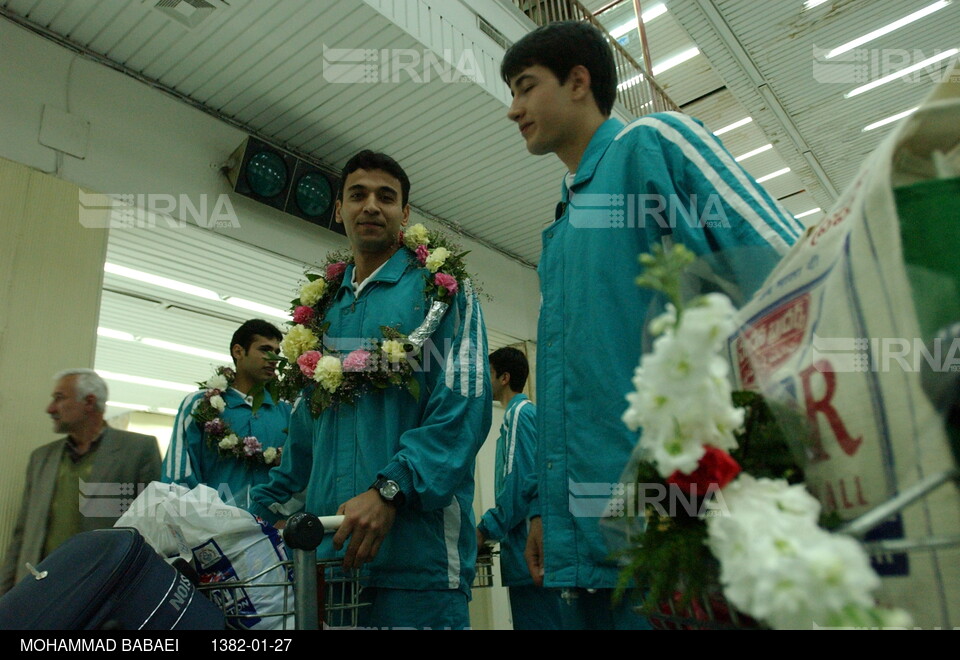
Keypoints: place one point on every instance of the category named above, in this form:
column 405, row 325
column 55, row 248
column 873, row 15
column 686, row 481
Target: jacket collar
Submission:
column 599, row 143
column 517, row 399
column 390, row 272
column 234, row 399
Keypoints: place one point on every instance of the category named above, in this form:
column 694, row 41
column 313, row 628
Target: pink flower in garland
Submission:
column 303, row 314
column 308, row 362
column 336, row 269
column 251, row 446
column 214, row 427
column 448, row 282
column 422, row 254
column 358, row 360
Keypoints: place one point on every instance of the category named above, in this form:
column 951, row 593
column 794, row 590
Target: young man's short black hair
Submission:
column 246, row 332
column 511, row 361
column 371, row 160
column 560, row 47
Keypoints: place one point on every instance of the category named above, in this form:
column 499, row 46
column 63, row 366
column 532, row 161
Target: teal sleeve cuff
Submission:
column 534, row 510
column 263, row 512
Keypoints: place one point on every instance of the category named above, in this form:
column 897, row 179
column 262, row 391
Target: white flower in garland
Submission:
column 218, row 403
column 416, row 235
column 683, row 398
column 269, row 455
column 313, row 291
column 437, row 258
column 298, row 340
column 394, row 350
column 229, row 442
column 329, row 373
column 778, row 565
column 217, row 382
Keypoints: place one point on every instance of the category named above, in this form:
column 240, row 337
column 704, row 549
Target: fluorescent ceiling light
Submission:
column 773, row 174
column 888, row 120
column 676, row 60
column 168, row 345
column 665, row 65
column 658, row 9
column 115, row 334
column 887, row 29
column 149, row 382
column 188, row 350
column 129, row 406
column 629, row 83
column 810, row 4
column 747, row 155
column 736, row 124
column 142, row 407
column 806, row 213
column 901, row 73
column 157, row 280
column 257, row 307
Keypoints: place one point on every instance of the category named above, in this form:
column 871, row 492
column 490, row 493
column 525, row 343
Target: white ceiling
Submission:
column 258, row 65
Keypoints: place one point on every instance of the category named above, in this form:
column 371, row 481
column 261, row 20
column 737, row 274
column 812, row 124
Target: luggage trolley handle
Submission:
column 303, row 533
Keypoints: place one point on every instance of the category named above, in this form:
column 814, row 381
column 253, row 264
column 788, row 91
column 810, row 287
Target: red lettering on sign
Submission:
column 823, row 406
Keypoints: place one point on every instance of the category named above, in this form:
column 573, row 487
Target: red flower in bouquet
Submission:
column 715, row 467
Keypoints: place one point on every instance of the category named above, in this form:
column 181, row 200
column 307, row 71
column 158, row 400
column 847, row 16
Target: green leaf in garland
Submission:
column 258, row 395
column 413, row 386
column 313, row 277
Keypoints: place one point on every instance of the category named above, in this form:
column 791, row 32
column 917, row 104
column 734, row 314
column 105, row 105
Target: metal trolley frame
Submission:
column 317, row 585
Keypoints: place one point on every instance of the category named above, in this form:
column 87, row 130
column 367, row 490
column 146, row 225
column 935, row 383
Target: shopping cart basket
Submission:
column 316, row 585
column 484, row 576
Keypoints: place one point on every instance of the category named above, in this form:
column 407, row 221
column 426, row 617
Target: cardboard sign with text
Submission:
column 834, row 331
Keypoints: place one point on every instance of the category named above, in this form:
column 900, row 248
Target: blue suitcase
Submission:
column 107, row 579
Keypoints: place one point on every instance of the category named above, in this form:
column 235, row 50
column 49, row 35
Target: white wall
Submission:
column 143, row 141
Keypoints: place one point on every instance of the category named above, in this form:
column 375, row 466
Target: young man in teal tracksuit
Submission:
column 400, row 469
column 532, row 607
column 663, row 178
column 190, row 460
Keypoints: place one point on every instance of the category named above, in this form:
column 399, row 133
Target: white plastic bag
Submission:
column 224, row 543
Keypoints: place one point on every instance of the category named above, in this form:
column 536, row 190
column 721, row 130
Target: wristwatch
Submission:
column 389, row 490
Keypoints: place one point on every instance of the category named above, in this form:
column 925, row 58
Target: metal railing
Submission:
column 642, row 95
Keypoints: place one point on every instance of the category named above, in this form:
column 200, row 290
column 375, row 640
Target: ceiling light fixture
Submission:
column 888, row 120
column 187, row 350
column 773, row 175
column 676, row 60
column 747, row 155
column 149, row 382
column 168, row 345
column 806, row 213
column 115, row 334
column 901, row 73
column 258, row 307
column 887, row 29
column 157, row 280
column 730, row 127
column 657, row 10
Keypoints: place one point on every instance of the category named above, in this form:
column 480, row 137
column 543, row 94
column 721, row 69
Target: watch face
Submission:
column 389, row 490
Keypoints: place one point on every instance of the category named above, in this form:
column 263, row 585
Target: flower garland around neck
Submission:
column 228, row 444
column 378, row 363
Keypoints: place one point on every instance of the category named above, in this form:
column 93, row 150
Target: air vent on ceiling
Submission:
column 188, row 12
column 493, row 33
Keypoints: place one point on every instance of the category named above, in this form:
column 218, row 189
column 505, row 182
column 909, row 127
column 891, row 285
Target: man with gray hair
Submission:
column 64, row 476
